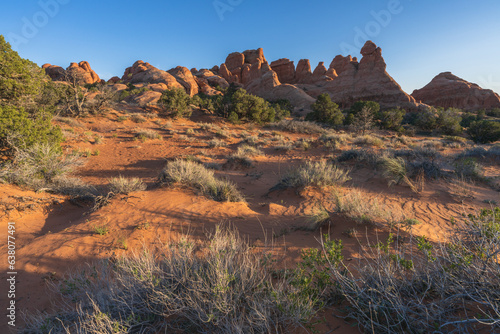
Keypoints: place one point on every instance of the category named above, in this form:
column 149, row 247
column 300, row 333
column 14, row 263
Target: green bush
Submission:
column 176, row 101
column 246, row 107
column 484, row 131
column 443, row 121
column 325, row 111
column 19, row 130
column 391, row 119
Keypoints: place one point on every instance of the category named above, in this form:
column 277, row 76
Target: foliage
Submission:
column 325, row 111
column 19, row 130
column 440, row 120
column 391, row 119
column 484, row 132
column 176, row 101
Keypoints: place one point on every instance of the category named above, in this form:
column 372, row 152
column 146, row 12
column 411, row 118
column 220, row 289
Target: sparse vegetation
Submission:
column 319, row 174
column 123, row 185
column 325, row 111
column 193, row 174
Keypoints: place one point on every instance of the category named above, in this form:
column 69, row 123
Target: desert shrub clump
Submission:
column 227, row 287
column 123, row 185
column 319, row 174
column 325, row 111
column 423, row 287
column 193, row 174
column 484, row 132
column 175, row 102
column 26, row 106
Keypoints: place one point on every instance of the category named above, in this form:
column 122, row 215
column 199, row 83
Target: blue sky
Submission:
column 419, row 39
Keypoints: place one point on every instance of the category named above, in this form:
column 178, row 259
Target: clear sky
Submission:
column 419, row 39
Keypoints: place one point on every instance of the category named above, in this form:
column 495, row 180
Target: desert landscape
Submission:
column 254, row 196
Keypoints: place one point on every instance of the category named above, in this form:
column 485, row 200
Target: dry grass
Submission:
column 145, row 134
column 228, row 289
column 319, row 174
column 195, row 175
column 123, row 185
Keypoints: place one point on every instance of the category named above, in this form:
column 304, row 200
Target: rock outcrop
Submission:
column 449, row 91
column 366, row 80
column 142, row 72
column 81, row 71
column 186, row 79
column 285, row 69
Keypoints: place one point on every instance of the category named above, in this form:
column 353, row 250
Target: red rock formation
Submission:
column 186, row 79
column 366, row 80
column 142, row 72
column 56, row 73
column 285, row 70
column 449, row 91
column 303, row 73
column 82, row 72
column 114, row 80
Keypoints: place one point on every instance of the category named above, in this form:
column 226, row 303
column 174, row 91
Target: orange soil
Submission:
column 54, row 236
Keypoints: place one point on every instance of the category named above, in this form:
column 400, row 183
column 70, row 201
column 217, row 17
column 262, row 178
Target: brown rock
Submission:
column 205, row 87
column 285, row 70
column 235, row 60
column 142, row 72
column 303, row 73
column 254, row 56
column 56, row 73
column 145, row 99
column 114, row 80
column 366, row 80
column 82, row 73
column 158, row 87
column 449, row 91
column 186, row 79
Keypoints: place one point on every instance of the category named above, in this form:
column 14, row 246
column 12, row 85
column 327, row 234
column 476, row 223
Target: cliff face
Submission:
column 447, row 90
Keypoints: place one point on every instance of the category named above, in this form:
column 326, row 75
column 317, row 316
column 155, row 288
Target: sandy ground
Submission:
column 54, row 236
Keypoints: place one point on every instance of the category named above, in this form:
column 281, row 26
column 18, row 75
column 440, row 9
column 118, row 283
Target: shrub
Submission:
column 176, row 102
column 43, row 167
column 318, row 174
column 391, row 119
column 219, row 286
column 325, row 111
column 193, row 174
column 145, row 134
column 282, row 108
column 19, row 131
column 484, row 132
column 468, row 169
column 450, row 288
column 246, row 107
column 123, row 185
column 396, row 171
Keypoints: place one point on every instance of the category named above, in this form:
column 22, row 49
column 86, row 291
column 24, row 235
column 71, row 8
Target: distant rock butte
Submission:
column 449, row 91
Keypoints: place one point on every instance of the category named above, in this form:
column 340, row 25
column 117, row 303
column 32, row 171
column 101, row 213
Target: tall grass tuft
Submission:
column 195, row 175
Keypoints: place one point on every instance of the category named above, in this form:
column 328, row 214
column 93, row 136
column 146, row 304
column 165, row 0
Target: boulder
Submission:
column 186, row 79
column 285, row 70
column 142, row 72
column 83, row 73
column 449, row 91
column 56, row 73
column 114, row 80
column 144, row 99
